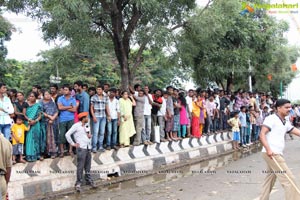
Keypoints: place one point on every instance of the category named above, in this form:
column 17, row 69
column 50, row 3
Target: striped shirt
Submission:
column 99, row 105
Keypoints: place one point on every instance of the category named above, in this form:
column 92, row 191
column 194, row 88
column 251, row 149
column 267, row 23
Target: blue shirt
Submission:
column 65, row 115
column 243, row 119
column 84, row 102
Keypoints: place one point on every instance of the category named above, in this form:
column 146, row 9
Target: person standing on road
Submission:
column 5, row 164
column 83, row 145
column 272, row 135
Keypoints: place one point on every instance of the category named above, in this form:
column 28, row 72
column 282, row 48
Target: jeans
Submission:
column 243, row 134
column 5, row 130
column 162, row 123
column 83, row 162
column 257, row 132
column 98, row 136
column 146, row 132
column 112, row 129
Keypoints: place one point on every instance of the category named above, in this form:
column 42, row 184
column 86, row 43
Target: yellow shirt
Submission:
column 18, row 132
column 5, row 153
column 195, row 109
column 235, row 122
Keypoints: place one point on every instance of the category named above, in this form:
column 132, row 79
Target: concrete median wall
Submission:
column 54, row 175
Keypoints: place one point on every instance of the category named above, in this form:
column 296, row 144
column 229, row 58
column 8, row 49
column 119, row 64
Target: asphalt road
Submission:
column 240, row 178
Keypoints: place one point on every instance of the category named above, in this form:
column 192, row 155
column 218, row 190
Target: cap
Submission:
column 83, row 114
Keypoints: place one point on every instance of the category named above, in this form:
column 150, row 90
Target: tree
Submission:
column 137, row 23
column 71, row 66
column 220, row 44
column 5, row 34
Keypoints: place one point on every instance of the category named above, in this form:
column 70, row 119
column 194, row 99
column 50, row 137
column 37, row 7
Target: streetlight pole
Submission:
column 250, row 78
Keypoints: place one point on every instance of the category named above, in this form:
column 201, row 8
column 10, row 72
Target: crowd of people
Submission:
column 37, row 123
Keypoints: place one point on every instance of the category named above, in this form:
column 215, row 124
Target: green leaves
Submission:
column 220, row 43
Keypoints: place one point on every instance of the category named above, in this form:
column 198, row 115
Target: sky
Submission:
column 26, row 42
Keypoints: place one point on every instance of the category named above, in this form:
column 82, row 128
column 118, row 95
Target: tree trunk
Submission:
column 125, row 76
column 229, row 83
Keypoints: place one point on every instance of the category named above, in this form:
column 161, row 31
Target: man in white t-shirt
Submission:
column 272, row 135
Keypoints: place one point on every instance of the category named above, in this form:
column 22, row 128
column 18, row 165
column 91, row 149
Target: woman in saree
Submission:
column 127, row 128
column 49, row 123
column 35, row 140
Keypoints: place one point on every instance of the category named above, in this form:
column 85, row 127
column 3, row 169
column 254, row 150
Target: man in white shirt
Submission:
column 83, row 145
column 112, row 125
column 272, row 137
column 161, row 115
column 146, row 132
column 6, row 108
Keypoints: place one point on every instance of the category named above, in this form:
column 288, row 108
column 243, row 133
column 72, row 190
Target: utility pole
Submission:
column 250, row 78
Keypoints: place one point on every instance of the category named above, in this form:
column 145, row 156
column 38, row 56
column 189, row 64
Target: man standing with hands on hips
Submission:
column 272, row 137
column 82, row 137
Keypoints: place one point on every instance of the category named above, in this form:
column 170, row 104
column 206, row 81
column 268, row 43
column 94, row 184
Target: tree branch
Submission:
column 138, row 58
column 178, row 26
column 136, row 15
column 101, row 24
column 205, row 7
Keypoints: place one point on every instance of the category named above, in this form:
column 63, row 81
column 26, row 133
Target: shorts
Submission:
column 176, row 125
column 63, row 129
column 236, row 135
column 18, row 149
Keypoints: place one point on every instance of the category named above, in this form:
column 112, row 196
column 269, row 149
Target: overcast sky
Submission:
column 27, row 41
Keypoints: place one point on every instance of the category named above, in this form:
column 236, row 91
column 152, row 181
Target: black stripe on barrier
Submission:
column 228, row 135
column 199, row 142
column 190, row 142
column 170, row 146
column 215, row 137
column 29, row 171
column 220, row 148
column 115, row 157
column 180, row 145
column 184, row 156
column 97, row 158
column 145, row 150
column 54, row 165
column 203, row 152
column 74, row 161
column 207, row 140
column 158, row 149
column 158, row 162
column 37, row 188
column 128, row 168
column 222, row 136
column 130, row 152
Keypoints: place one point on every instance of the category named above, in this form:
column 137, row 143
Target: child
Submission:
column 234, row 122
column 18, row 135
column 243, row 121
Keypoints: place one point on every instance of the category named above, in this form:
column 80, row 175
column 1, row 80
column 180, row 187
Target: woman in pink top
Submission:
column 184, row 116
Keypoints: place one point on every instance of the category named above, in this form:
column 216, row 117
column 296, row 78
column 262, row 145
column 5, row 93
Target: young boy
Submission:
column 18, row 134
column 234, row 122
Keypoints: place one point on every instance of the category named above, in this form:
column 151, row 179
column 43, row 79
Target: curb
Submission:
column 55, row 176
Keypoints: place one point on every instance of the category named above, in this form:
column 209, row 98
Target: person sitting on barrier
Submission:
column 83, row 146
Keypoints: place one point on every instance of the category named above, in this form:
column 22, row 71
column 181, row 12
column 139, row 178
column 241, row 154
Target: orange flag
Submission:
column 294, row 67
